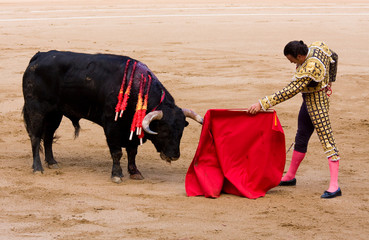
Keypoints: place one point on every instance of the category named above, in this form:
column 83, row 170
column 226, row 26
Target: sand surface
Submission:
column 208, row 54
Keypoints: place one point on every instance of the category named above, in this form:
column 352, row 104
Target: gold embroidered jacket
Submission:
column 313, row 75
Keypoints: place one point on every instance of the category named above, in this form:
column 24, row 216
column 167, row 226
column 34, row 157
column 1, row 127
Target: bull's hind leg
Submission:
column 37, row 165
column 52, row 122
column 34, row 126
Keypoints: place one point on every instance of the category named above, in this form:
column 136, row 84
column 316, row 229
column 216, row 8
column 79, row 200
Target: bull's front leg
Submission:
column 113, row 140
column 132, row 168
column 116, row 155
column 116, row 172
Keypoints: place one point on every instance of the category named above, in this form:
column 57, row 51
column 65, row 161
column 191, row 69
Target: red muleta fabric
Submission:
column 238, row 153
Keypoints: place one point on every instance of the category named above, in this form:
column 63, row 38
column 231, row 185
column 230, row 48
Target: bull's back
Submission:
column 68, row 70
column 74, row 83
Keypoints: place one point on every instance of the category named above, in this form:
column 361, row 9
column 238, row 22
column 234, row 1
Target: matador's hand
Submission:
column 255, row 108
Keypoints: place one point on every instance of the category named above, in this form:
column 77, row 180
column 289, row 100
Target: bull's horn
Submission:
column 155, row 115
column 191, row 114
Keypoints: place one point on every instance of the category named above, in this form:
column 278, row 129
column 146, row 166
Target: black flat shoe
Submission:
column 291, row 182
column 327, row 194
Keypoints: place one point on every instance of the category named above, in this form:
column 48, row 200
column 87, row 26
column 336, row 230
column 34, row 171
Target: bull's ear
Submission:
column 186, row 123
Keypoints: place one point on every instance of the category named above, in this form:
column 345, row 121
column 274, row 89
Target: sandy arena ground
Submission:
column 209, row 54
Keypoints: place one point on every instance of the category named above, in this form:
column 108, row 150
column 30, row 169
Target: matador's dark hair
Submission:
column 295, row 48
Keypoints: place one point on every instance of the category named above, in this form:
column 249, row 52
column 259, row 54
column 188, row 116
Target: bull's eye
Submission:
column 164, row 133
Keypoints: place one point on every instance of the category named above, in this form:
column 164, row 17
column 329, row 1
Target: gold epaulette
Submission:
column 312, row 68
column 322, row 46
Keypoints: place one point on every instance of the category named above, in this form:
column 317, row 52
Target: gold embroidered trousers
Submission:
column 317, row 104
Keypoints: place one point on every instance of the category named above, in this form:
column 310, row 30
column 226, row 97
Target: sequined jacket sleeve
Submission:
column 333, row 67
column 286, row 93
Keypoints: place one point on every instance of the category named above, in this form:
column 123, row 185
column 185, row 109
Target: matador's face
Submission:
column 300, row 59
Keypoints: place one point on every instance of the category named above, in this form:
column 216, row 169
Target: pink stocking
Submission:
column 333, row 169
column 297, row 158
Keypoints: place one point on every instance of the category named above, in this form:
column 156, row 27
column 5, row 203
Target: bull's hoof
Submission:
column 53, row 166
column 116, row 179
column 37, row 172
column 136, row 176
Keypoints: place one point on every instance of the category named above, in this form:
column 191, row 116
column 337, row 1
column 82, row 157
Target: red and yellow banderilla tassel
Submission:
column 144, row 107
column 142, row 100
column 140, row 111
column 136, row 117
column 120, row 95
column 141, row 107
column 122, row 103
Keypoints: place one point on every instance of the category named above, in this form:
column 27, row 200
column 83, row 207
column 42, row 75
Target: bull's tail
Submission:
column 77, row 128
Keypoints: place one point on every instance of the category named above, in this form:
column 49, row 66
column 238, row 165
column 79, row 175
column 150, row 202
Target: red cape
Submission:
column 238, row 153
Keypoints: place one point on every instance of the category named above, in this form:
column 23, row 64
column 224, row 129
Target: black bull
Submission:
column 77, row 85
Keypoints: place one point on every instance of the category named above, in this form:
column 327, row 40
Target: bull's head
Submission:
column 166, row 132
